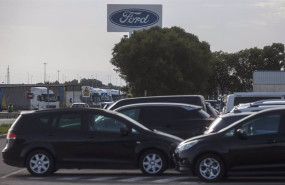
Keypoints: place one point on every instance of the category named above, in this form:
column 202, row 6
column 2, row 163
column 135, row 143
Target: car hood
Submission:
column 166, row 135
column 200, row 137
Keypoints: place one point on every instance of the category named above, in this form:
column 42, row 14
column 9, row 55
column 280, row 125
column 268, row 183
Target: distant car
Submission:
column 258, row 105
column 79, row 105
column 211, row 111
column 216, row 104
column 86, row 138
column 182, row 120
column 255, row 144
column 225, row 120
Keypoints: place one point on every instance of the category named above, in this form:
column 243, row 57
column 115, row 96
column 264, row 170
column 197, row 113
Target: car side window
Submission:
column 267, row 124
column 132, row 113
column 102, row 123
column 38, row 124
column 69, row 122
column 156, row 114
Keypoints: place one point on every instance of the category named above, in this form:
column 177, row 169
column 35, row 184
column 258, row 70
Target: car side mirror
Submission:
column 124, row 131
column 240, row 133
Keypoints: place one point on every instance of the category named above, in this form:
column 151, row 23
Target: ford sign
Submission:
column 134, row 18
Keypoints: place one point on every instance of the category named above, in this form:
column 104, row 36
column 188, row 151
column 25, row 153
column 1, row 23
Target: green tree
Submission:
column 234, row 72
column 163, row 61
column 274, row 57
column 220, row 75
column 249, row 60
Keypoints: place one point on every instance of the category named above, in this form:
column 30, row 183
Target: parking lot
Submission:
column 13, row 176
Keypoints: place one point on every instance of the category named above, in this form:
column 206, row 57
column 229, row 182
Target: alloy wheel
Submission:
column 210, row 168
column 152, row 163
column 39, row 163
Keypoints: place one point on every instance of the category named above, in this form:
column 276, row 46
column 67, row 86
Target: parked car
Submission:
column 225, row 120
column 258, row 105
column 44, row 141
column 247, row 97
column 211, row 111
column 255, row 143
column 182, row 120
column 78, row 105
column 187, row 99
column 216, row 104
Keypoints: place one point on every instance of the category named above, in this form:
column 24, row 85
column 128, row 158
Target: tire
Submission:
column 40, row 163
column 210, row 168
column 152, row 162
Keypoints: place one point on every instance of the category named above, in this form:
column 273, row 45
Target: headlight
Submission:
column 185, row 146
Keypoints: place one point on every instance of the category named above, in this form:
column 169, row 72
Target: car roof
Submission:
column 160, row 104
column 62, row 110
column 268, row 102
column 236, row 114
column 166, row 98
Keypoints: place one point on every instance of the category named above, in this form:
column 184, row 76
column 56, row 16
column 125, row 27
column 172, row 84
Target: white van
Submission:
column 247, row 97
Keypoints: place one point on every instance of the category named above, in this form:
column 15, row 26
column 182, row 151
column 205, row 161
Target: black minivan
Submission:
column 255, row 143
column 44, row 141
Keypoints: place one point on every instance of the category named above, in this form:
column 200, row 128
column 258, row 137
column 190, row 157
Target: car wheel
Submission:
column 40, row 163
column 152, row 162
column 210, row 168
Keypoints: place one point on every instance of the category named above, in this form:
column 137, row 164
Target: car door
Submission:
column 260, row 146
column 107, row 145
column 68, row 136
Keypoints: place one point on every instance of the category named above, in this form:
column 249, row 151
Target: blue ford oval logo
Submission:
column 134, row 18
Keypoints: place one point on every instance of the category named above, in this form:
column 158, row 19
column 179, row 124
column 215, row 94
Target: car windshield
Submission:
column 223, row 122
column 49, row 98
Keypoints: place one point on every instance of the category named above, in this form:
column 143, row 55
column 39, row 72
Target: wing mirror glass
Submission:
column 240, row 133
column 124, row 131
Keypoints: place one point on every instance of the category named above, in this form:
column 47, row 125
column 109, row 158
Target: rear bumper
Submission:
column 11, row 162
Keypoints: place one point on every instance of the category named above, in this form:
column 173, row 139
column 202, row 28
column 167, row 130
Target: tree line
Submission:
column 86, row 82
column 168, row 61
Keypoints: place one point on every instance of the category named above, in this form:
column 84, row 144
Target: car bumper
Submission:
column 11, row 162
column 181, row 164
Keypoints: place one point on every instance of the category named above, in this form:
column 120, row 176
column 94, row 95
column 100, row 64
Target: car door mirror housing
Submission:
column 240, row 133
column 124, row 131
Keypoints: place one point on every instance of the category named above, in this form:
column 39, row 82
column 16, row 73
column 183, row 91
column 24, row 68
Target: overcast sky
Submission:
column 71, row 35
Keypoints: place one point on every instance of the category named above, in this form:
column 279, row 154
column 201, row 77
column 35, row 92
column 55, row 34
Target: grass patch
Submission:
column 4, row 128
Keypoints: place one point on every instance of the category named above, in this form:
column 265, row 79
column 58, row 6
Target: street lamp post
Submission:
column 45, row 72
column 58, row 75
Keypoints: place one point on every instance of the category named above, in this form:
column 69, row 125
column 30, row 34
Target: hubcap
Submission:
column 152, row 163
column 210, row 168
column 39, row 163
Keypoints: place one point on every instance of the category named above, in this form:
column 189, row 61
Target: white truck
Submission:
column 43, row 99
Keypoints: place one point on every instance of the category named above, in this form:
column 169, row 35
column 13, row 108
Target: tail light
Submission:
column 11, row 135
